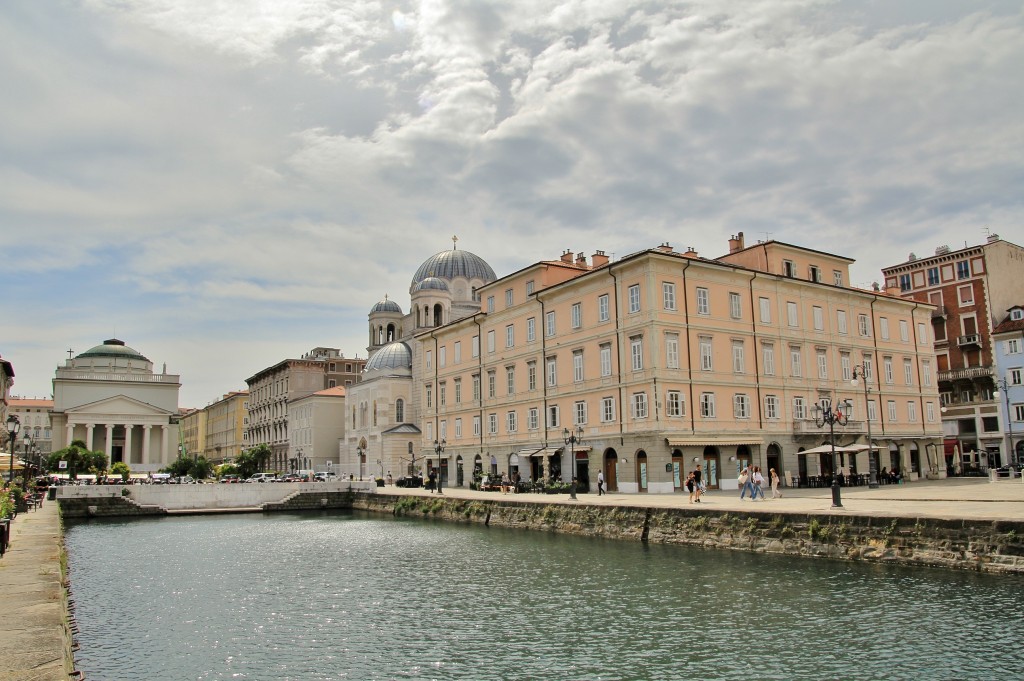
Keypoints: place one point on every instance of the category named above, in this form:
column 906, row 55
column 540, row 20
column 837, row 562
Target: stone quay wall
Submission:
column 993, row 546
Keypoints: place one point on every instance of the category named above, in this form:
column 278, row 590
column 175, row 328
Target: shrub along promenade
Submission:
column 968, row 524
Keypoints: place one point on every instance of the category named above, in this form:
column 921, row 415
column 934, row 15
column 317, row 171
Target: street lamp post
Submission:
column 571, row 439
column 439, row 450
column 1002, row 385
column 858, row 372
column 13, row 426
column 824, row 414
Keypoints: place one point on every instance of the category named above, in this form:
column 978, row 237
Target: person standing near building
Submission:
column 600, row 483
column 690, row 485
column 774, row 477
column 744, row 482
column 757, row 482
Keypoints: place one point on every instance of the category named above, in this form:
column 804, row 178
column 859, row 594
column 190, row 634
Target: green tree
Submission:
column 201, row 468
column 121, row 468
column 80, row 459
column 252, row 461
column 178, row 467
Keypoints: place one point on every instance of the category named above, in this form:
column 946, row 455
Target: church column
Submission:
column 163, row 443
column 71, row 434
column 145, row 442
column 109, row 448
column 89, row 436
column 126, row 454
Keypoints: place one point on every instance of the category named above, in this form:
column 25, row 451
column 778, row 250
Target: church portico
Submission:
column 109, row 398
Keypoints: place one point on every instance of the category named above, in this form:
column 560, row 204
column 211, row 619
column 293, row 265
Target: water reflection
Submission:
column 327, row 596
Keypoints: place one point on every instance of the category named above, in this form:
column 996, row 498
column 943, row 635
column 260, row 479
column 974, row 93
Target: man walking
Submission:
column 600, row 483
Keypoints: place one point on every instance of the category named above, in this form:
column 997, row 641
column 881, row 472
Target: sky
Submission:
column 226, row 184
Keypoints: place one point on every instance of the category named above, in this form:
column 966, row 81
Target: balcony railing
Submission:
column 809, row 427
column 969, row 339
column 940, row 312
column 967, row 374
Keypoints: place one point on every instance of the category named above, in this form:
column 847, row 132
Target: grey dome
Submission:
column 431, row 284
column 454, row 263
column 386, row 305
column 113, row 348
column 392, row 356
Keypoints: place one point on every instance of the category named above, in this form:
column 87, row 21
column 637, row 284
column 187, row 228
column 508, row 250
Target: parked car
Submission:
column 290, row 477
column 230, row 478
column 262, row 477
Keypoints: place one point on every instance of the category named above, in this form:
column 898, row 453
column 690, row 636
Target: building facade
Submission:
column 110, row 398
column 274, row 388
column 226, row 421
column 662, row 360
column 317, row 428
column 192, row 429
column 970, row 290
column 1008, row 339
column 36, row 436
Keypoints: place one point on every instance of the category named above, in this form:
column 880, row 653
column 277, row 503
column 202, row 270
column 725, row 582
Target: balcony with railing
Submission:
column 969, row 339
column 968, row 374
column 809, row 427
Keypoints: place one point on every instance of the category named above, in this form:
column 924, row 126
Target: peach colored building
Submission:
column 662, row 360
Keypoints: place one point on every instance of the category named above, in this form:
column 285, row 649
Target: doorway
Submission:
column 641, row 471
column 582, row 472
column 712, row 462
column 611, row 460
column 677, row 470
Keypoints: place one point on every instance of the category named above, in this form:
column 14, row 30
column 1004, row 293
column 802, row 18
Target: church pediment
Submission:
column 118, row 404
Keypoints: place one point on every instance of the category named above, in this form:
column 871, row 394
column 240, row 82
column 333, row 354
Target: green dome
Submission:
column 113, row 348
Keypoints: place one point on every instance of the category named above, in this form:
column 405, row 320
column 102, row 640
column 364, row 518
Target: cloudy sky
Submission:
column 224, row 184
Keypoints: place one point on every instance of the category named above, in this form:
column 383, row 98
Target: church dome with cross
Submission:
column 454, row 264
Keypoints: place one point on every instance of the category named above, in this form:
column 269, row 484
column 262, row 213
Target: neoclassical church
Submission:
column 382, row 433
column 110, row 398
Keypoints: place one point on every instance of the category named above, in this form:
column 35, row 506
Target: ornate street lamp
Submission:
column 13, row 426
column 824, row 414
column 1002, row 385
column 439, row 450
column 858, row 372
column 571, row 439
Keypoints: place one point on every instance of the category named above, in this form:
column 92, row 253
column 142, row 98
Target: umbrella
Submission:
column 826, row 449
column 858, row 448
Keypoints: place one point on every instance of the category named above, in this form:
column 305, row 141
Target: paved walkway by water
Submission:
column 32, row 600
column 967, row 498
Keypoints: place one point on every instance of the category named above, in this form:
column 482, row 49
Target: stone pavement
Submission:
column 32, row 630
column 955, row 498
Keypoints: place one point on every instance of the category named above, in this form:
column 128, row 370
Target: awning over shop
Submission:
column 542, row 451
column 722, row 441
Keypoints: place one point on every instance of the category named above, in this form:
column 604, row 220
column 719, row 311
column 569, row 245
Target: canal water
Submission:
column 354, row 596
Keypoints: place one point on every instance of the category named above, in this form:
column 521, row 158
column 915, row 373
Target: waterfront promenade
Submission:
column 32, row 628
column 32, row 634
column 966, row 498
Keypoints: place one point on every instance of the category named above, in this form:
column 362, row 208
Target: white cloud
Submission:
column 238, row 166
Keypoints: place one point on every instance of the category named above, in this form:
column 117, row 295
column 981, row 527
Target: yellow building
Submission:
column 662, row 360
column 193, row 433
column 226, row 420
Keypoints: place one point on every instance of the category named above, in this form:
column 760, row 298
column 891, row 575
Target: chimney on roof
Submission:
column 691, row 252
column 666, row 247
column 581, row 260
column 567, row 256
column 993, row 237
column 875, row 287
column 599, row 259
column 942, row 250
column 736, row 242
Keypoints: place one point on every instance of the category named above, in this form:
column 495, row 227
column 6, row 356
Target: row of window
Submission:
column 675, row 407
column 703, row 307
column 963, row 271
column 636, row 354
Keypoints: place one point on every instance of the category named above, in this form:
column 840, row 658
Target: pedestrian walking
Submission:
column 600, row 483
column 776, row 494
column 698, row 479
column 691, row 485
column 758, row 483
column 744, row 482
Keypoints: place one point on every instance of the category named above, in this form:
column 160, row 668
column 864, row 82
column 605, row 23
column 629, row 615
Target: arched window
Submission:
column 399, row 410
column 391, row 333
column 438, row 315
